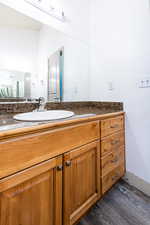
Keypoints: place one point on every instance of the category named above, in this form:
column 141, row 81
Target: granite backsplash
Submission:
column 77, row 107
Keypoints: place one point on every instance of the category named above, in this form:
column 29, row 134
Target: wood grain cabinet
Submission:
column 112, row 177
column 112, row 151
column 33, row 197
column 53, row 176
column 109, row 126
column 81, row 181
column 31, row 149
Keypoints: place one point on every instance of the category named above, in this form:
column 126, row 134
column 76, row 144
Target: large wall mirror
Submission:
column 38, row 61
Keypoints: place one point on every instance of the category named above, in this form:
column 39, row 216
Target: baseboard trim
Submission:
column 137, row 182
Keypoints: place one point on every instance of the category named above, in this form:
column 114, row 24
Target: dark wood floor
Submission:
column 122, row 205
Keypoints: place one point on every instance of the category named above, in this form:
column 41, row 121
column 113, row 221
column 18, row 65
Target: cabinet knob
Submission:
column 60, row 168
column 116, row 159
column 68, row 163
column 115, row 142
column 114, row 126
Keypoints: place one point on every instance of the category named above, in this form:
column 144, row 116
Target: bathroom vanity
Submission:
column 51, row 174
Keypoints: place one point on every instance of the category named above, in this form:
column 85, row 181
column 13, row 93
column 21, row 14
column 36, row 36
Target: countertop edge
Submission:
column 60, row 124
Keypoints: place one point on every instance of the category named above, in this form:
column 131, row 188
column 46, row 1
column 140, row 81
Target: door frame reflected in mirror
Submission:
column 55, row 87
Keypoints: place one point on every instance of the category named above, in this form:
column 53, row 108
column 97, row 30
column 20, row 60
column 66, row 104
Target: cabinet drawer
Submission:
column 111, row 161
column 23, row 152
column 112, row 177
column 112, row 125
column 112, row 143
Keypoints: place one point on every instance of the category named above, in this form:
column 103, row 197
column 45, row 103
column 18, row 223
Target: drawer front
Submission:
column 111, row 161
column 20, row 153
column 109, row 126
column 112, row 143
column 112, row 177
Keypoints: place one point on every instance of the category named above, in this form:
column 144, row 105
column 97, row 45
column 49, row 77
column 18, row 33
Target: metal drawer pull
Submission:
column 60, row 168
column 116, row 159
column 68, row 163
column 114, row 126
column 115, row 177
column 115, row 142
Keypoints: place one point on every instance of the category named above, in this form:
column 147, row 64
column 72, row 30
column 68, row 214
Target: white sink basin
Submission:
column 44, row 116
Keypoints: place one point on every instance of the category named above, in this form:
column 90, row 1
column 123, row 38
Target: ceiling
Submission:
column 10, row 17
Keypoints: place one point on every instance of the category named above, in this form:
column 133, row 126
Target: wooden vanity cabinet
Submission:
column 59, row 173
column 34, row 196
column 81, row 184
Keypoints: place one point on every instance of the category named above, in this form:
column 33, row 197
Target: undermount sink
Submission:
column 44, row 116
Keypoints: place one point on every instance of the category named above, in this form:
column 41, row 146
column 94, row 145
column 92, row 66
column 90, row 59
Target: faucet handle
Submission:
column 41, row 99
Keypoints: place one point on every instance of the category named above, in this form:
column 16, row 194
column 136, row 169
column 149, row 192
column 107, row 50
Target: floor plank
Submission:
column 122, row 205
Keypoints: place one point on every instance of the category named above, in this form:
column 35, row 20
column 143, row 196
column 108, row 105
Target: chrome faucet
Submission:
column 41, row 104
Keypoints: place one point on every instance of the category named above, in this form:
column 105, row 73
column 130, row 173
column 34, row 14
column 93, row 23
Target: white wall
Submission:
column 12, row 18
column 76, row 12
column 76, row 63
column 120, row 53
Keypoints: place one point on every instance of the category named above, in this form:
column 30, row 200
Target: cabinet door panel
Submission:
column 33, row 202
column 81, row 181
column 83, row 187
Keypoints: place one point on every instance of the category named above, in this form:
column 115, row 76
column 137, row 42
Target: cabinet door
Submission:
column 81, row 181
column 34, row 196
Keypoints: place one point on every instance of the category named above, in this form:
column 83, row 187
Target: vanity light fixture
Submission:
column 48, row 9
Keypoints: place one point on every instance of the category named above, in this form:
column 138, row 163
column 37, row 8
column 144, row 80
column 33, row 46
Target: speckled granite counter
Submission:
column 77, row 107
column 81, row 110
column 10, row 124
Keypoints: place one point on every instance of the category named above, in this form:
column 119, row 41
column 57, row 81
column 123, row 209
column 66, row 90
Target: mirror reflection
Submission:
column 55, row 76
column 38, row 61
column 15, row 84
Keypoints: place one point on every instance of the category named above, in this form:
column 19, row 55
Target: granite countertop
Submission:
column 81, row 110
column 10, row 123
